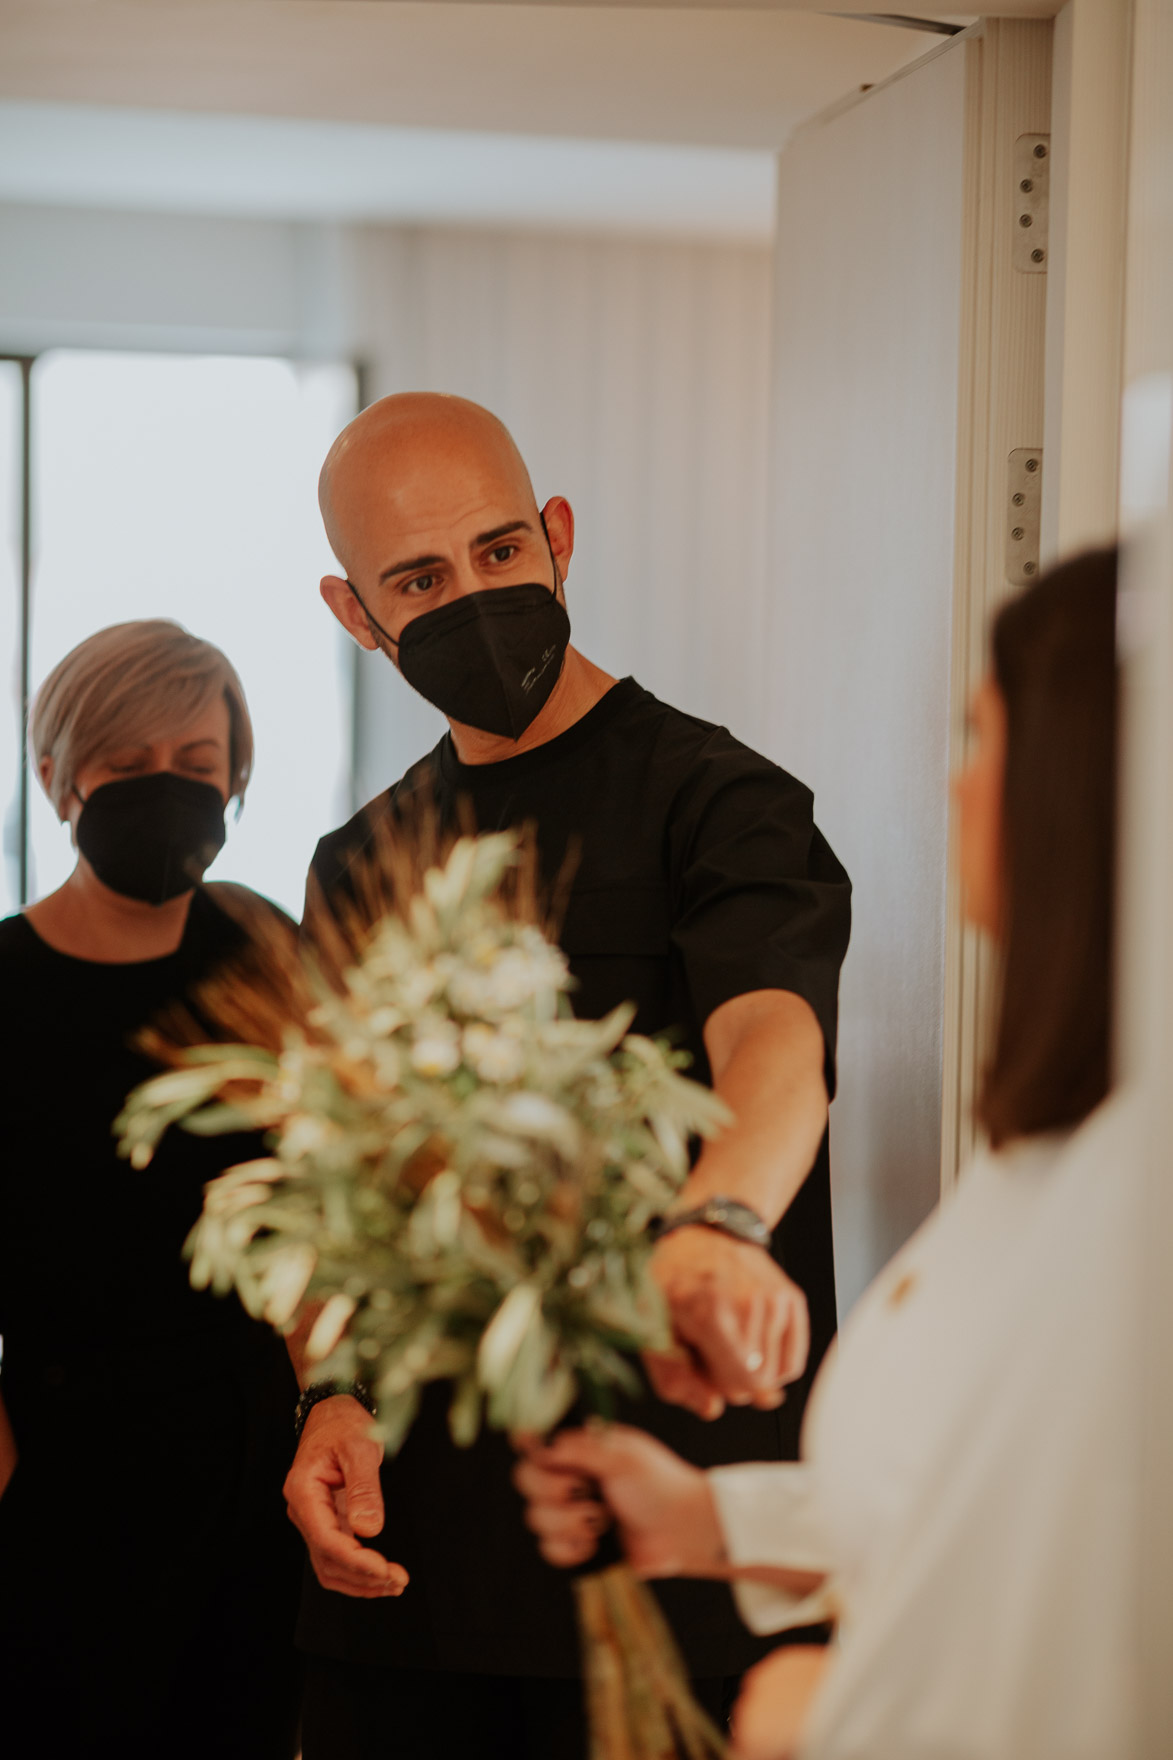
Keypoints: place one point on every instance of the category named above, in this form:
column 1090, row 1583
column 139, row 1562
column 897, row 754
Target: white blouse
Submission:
column 969, row 1474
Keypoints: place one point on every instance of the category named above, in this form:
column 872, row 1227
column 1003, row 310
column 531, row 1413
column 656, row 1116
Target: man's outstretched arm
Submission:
column 740, row 1323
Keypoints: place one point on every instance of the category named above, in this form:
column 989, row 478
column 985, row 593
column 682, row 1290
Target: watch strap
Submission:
column 728, row 1216
column 317, row 1391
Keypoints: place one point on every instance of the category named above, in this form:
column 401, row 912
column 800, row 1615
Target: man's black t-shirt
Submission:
column 698, row 875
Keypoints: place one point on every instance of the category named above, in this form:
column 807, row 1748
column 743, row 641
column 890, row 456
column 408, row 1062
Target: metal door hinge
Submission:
column 1032, row 202
column 1024, row 505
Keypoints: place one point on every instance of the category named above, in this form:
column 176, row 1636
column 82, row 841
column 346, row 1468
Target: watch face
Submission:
column 733, row 1218
column 739, row 1219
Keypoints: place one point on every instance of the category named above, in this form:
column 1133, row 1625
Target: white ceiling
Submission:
column 661, row 116
column 179, row 162
column 715, row 77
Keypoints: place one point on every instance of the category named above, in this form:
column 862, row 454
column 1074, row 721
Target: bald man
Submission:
column 703, row 893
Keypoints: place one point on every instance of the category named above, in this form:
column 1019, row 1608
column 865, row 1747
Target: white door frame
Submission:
column 1000, row 410
column 1086, row 280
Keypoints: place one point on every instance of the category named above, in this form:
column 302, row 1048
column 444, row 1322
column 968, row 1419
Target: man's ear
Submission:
column 346, row 608
column 559, row 517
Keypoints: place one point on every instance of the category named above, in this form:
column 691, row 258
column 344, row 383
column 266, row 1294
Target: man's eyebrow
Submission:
column 403, row 567
column 489, row 537
column 192, row 745
column 513, row 525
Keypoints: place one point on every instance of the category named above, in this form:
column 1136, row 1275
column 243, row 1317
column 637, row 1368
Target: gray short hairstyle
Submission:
column 125, row 686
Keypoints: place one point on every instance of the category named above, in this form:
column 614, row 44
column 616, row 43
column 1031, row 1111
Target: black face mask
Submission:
column 489, row 659
column 151, row 837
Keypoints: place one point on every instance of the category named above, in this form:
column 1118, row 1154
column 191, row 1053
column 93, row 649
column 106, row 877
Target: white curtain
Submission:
column 634, row 378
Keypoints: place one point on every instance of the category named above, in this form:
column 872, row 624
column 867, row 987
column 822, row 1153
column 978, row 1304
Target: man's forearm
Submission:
column 766, row 1050
column 295, row 1343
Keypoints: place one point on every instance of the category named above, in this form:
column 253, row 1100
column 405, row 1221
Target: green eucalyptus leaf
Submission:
column 464, row 1414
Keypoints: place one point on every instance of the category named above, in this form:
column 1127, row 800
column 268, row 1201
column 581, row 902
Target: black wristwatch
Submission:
column 726, row 1215
column 317, row 1391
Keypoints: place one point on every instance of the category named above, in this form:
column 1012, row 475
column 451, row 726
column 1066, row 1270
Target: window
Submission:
column 185, row 487
column 11, row 623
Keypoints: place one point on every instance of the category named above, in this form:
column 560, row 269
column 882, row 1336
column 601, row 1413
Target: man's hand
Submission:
column 742, row 1329
column 334, row 1495
column 741, row 1325
column 771, row 1715
column 664, row 1508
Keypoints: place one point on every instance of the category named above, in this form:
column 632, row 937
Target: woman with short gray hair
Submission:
column 148, row 1577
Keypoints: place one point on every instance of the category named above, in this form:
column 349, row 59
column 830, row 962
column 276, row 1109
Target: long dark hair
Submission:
column 1054, row 660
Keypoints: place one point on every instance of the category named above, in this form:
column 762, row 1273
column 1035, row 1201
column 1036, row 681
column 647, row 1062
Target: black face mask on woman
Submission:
column 151, row 837
column 488, row 659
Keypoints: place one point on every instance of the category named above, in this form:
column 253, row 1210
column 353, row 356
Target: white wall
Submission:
column 634, row 375
column 84, row 278
column 868, row 322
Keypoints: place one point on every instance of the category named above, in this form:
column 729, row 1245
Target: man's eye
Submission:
column 502, row 552
column 421, row 583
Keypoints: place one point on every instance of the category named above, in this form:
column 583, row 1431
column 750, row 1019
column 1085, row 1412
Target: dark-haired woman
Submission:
column 965, row 1503
column 148, row 1576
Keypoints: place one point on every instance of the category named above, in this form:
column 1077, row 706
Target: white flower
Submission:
column 494, row 1056
column 416, row 988
column 481, row 948
column 305, row 1134
column 517, row 975
column 468, row 991
column 533, row 1113
column 514, row 979
column 436, row 1051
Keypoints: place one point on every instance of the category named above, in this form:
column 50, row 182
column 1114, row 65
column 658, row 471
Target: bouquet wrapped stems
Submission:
column 458, row 1184
column 638, row 1697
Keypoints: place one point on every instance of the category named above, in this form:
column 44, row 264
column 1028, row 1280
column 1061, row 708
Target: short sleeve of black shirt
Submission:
column 760, row 901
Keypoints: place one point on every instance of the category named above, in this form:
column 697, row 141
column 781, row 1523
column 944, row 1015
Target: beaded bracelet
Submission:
column 317, row 1391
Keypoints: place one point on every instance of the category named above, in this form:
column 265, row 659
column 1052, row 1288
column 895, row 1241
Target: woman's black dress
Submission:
column 148, row 1574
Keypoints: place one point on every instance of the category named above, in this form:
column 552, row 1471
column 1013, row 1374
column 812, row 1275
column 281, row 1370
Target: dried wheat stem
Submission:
column 640, row 1703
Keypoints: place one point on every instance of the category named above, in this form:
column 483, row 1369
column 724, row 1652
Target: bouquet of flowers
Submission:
column 459, row 1184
